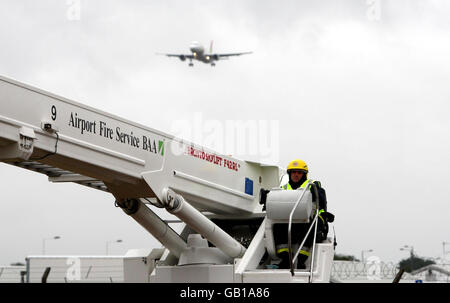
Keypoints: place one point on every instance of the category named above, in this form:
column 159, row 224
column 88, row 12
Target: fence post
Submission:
column 22, row 276
column 28, row 270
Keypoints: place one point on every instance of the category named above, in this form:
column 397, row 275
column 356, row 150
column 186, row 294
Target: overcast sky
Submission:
column 358, row 89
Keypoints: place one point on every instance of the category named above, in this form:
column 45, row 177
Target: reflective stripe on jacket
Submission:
column 289, row 187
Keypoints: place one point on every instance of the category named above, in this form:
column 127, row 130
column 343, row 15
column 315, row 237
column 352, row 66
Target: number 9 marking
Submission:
column 53, row 113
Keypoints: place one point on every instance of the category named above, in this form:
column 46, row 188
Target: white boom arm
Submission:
column 71, row 142
column 131, row 159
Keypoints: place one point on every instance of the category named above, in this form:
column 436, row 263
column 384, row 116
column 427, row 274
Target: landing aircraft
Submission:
column 198, row 53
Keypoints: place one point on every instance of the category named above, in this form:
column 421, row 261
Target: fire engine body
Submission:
column 227, row 236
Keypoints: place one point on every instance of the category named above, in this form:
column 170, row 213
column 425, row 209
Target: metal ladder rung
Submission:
column 56, row 174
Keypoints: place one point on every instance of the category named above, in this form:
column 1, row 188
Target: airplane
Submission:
column 198, row 53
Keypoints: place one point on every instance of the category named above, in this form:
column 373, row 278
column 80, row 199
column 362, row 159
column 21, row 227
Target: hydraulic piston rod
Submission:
column 177, row 206
column 154, row 225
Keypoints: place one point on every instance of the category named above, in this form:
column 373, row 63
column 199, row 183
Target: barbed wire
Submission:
column 352, row 270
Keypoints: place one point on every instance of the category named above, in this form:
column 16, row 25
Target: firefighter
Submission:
column 298, row 178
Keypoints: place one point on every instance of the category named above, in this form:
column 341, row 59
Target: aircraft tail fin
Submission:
column 211, row 47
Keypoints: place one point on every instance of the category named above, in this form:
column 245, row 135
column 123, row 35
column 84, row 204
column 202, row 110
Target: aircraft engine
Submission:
column 183, row 58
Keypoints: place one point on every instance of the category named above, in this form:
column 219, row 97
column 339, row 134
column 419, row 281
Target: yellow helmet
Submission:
column 298, row 165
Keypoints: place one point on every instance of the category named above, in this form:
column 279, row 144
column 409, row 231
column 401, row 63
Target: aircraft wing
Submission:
column 180, row 56
column 232, row 54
